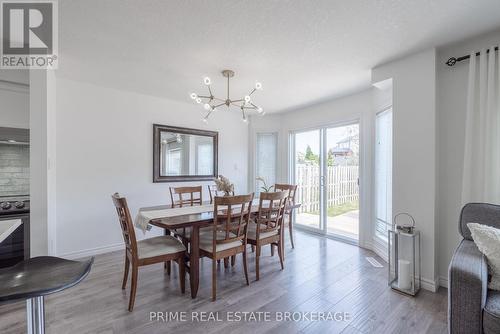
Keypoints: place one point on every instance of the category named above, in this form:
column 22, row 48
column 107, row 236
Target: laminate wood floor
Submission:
column 320, row 275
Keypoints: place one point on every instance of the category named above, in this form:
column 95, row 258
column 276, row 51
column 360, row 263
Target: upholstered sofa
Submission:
column 472, row 308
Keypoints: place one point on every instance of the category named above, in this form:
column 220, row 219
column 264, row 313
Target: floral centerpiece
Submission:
column 224, row 185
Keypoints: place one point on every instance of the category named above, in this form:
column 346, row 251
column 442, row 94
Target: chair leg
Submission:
column 233, row 260
column 226, row 262
column 133, row 288
column 253, row 248
column 290, row 228
column 272, row 249
column 182, row 273
column 125, row 272
column 257, row 255
column 167, row 266
column 214, row 279
column 245, row 265
column 280, row 252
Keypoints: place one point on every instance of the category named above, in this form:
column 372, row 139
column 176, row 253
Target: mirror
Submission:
column 182, row 154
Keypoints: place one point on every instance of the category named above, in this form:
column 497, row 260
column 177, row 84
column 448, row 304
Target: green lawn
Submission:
column 340, row 209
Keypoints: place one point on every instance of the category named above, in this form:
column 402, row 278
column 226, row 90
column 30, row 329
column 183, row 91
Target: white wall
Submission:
column 452, row 95
column 414, row 147
column 42, row 174
column 104, row 145
column 14, row 94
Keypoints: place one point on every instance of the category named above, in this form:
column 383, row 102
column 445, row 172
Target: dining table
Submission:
column 189, row 217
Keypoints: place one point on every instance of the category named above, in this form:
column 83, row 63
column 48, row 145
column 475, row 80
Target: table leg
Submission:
column 194, row 260
column 35, row 315
column 166, row 265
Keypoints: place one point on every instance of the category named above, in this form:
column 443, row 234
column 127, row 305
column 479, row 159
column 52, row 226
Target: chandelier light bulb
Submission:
column 258, row 86
column 198, row 100
column 207, row 106
column 193, row 96
column 245, row 120
column 205, row 119
column 260, row 110
column 247, row 99
column 207, row 81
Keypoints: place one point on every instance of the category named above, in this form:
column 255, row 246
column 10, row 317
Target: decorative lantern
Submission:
column 404, row 257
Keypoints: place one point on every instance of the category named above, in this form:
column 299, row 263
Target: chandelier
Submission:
column 211, row 103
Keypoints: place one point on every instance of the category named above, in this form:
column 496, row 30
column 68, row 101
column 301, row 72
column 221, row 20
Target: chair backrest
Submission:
column 190, row 200
column 271, row 211
column 212, row 190
column 292, row 190
column 125, row 223
column 481, row 213
column 231, row 217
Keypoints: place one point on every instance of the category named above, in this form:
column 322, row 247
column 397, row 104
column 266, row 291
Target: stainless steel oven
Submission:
column 15, row 247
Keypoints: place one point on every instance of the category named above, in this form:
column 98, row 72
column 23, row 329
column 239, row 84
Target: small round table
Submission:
column 34, row 278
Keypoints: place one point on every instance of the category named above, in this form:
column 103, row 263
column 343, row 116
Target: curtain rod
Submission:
column 452, row 61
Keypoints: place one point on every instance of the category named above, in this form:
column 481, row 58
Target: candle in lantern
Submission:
column 404, row 279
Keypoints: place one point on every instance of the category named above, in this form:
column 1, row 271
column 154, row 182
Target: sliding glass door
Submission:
column 307, row 177
column 342, row 181
column 326, row 170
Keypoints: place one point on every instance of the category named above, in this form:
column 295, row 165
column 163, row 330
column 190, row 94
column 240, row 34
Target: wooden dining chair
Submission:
column 292, row 190
column 229, row 233
column 182, row 197
column 186, row 196
column 267, row 226
column 212, row 190
column 148, row 251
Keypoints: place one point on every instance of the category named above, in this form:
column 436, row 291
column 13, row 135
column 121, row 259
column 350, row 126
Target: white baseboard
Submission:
column 429, row 284
column 92, row 251
column 443, row 281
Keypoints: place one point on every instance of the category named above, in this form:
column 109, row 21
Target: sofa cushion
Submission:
column 487, row 240
column 491, row 313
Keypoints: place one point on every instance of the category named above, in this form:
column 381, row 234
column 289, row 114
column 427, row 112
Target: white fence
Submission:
column 341, row 186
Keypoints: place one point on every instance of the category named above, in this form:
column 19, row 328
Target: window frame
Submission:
column 256, row 163
column 378, row 234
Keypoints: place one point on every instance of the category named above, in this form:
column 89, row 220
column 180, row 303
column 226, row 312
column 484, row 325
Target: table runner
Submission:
column 144, row 217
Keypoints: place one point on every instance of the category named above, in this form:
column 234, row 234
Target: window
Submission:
column 204, row 159
column 266, row 158
column 383, row 173
column 174, row 161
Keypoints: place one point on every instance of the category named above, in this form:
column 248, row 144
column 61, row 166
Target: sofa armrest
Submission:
column 467, row 288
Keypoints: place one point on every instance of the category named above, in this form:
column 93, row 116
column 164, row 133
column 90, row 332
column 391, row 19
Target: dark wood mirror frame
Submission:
column 158, row 129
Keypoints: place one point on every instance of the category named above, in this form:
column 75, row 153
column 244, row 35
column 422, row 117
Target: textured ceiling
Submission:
column 302, row 51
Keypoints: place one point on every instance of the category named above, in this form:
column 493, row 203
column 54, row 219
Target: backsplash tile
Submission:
column 14, row 170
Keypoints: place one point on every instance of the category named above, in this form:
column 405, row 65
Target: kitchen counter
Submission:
column 7, row 227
